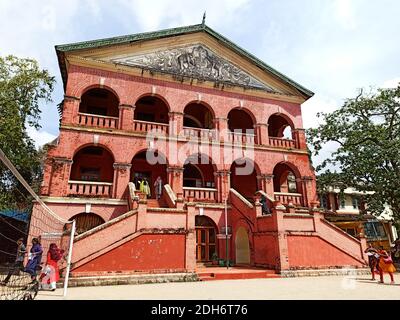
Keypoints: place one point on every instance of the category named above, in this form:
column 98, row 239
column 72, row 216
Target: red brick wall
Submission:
column 146, row 252
column 311, row 251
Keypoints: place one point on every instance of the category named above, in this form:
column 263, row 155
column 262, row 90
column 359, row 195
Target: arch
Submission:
column 243, row 177
column 278, row 123
column 92, row 163
column 241, row 119
column 99, row 101
column 206, row 238
column 151, row 108
column 149, row 164
column 86, row 221
column 198, row 171
column 242, row 246
column 285, row 176
column 202, row 112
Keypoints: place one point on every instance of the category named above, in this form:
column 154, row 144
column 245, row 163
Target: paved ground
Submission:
column 326, row 288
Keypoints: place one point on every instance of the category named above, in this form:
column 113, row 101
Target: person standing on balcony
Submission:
column 386, row 265
column 158, row 185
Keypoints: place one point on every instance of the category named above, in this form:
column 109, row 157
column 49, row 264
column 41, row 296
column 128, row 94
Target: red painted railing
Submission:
column 282, row 142
column 89, row 188
column 243, row 138
column 286, row 198
column 94, row 120
column 203, row 134
column 200, row 194
column 145, row 126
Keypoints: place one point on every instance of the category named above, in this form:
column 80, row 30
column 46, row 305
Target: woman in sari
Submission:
column 386, row 265
column 51, row 273
column 35, row 258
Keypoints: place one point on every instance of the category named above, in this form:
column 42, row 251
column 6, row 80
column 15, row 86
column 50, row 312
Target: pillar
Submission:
column 299, row 135
column 223, row 184
column 266, row 184
column 282, row 245
column 175, row 179
column 70, row 110
column 221, row 126
column 261, row 131
column 121, row 179
column 58, row 184
column 126, row 115
column 175, row 123
column 306, row 190
column 190, row 246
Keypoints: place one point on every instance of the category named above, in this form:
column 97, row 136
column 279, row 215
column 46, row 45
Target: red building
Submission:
column 221, row 128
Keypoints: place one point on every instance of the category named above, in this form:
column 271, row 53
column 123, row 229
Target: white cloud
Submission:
column 392, row 83
column 345, row 13
column 40, row 137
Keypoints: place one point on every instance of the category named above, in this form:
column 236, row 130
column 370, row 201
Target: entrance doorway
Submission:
column 242, row 246
column 206, row 239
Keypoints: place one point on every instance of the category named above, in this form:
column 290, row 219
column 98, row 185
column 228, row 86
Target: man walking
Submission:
column 18, row 264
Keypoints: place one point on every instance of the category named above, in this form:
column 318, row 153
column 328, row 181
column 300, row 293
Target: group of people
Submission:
column 380, row 261
column 49, row 275
column 142, row 184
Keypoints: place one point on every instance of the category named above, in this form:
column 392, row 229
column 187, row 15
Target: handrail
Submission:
column 90, row 182
column 200, row 189
column 157, row 123
column 243, row 199
column 97, row 115
column 263, row 193
column 170, row 193
column 288, row 193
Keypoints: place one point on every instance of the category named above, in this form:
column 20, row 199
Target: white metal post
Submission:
column 71, row 242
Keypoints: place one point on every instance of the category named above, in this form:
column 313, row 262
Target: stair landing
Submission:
column 154, row 203
column 234, row 273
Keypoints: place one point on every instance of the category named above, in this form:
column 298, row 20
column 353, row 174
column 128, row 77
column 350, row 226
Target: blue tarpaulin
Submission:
column 15, row 214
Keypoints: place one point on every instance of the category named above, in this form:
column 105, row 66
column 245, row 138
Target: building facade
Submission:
column 222, row 130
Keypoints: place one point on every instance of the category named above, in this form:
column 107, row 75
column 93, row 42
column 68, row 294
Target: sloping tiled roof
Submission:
column 61, row 49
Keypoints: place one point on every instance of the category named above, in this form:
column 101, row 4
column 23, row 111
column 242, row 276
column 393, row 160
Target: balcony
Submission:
column 286, row 198
column 145, row 126
column 282, row 142
column 200, row 194
column 241, row 138
column 198, row 133
column 94, row 120
column 89, row 189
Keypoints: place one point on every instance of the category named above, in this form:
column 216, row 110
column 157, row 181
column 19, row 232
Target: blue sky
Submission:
column 332, row 47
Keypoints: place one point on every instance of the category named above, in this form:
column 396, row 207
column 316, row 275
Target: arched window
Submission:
column 197, row 115
column 198, row 172
column 99, row 101
column 240, row 121
column 280, row 126
column 92, row 163
column 285, row 179
column 244, row 177
column 86, row 221
column 151, row 109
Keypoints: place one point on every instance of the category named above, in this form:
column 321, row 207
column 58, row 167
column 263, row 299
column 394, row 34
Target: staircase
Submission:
column 234, row 273
column 154, row 203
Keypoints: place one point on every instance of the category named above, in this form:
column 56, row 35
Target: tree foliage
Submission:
column 367, row 131
column 23, row 87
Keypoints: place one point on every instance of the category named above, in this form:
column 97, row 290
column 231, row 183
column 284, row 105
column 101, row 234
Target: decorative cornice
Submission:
column 126, row 106
column 62, row 160
column 124, row 166
column 71, row 98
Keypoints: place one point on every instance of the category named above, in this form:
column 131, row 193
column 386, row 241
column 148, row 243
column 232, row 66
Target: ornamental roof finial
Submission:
column 203, row 22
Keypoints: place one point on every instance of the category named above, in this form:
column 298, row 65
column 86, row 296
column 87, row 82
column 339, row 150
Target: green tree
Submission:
column 23, row 87
column 367, row 131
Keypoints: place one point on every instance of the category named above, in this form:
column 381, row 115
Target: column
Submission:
column 266, row 183
column 126, row 115
column 175, row 179
column 175, row 123
column 221, row 126
column 190, row 246
column 307, row 190
column 223, row 184
column 282, row 246
column 261, row 131
column 299, row 135
column 58, row 184
column 121, row 179
column 70, row 110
